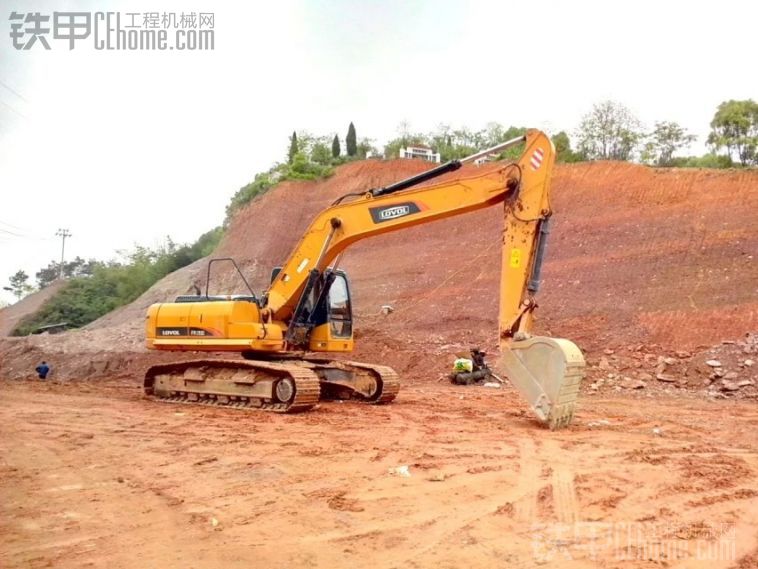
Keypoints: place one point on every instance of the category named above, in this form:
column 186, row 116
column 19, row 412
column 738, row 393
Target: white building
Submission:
column 422, row 152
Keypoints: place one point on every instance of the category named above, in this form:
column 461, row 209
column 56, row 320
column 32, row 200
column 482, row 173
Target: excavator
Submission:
column 307, row 310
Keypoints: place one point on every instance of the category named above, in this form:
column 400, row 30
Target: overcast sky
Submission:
column 125, row 147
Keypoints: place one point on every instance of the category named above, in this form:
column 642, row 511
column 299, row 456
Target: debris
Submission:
column 668, row 378
column 713, row 363
column 387, row 309
column 492, row 384
column 402, row 470
column 657, row 431
column 214, row 523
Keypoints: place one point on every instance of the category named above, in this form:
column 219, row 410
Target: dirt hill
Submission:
column 11, row 315
column 660, row 260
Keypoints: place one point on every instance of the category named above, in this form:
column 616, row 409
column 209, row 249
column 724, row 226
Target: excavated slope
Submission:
column 636, row 256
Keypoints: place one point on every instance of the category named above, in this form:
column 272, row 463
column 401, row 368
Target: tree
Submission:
column 366, row 148
column 293, row 147
column 563, row 152
column 20, row 284
column 320, row 154
column 351, row 141
column 609, row 132
column 76, row 268
column 735, row 127
column 666, row 139
column 336, row 150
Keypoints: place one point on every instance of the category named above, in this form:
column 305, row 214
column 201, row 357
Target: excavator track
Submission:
column 342, row 379
column 280, row 387
column 254, row 384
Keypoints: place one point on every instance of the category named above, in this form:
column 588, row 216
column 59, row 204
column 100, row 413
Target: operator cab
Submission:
column 324, row 318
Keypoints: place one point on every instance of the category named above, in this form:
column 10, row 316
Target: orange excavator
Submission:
column 307, row 307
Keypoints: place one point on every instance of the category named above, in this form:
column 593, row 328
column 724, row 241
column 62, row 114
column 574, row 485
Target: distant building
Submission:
column 422, row 152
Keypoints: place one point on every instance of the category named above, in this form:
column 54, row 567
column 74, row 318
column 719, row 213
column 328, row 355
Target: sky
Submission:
column 127, row 147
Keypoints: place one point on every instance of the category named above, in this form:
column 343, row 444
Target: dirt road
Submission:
column 96, row 478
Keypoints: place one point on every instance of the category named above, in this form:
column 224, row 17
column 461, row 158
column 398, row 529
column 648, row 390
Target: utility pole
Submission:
column 63, row 233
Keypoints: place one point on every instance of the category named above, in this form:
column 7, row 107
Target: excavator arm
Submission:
column 547, row 371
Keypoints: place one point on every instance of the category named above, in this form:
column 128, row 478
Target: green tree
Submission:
column 563, row 152
column 351, row 141
column 735, row 127
column 294, row 148
column 336, row 150
column 609, row 132
column 366, row 147
column 320, row 154
column 76, row 268
column 19, row 284
column 666, row 139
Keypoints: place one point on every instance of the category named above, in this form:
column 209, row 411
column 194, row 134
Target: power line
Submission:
column 19, row 95
column 23, row 116
column 8, row 232
column 11, row 225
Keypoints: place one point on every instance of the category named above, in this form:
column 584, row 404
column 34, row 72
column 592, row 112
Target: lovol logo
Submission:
column 388, row 213
column 172, row 331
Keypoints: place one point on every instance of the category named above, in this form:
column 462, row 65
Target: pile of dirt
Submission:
column 662, row 258
column 11, row 316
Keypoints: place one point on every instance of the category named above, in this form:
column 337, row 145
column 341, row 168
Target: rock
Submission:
column 731, row 375
column 387, row 309
column 657, row 431
column 644, row 376
column 603, row 363
column 594, row 387
column 401, row 470
column 682, row 354
column 608, row 352
column 713, row 363
column 670, row 361
column 727, row 385
column 748, row 363
column 718, row 372
column 746, row 382
column 668, row 378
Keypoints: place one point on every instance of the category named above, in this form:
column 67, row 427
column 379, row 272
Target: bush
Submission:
column 705, row 161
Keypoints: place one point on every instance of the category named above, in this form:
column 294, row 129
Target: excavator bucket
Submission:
column 547, row 372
